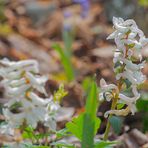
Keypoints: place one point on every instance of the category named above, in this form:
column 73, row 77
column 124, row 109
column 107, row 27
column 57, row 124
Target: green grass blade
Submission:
column 66, row 62
column 68, row 38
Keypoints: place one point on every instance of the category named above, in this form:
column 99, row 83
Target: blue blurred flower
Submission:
column 67, row 26
column 85, row 4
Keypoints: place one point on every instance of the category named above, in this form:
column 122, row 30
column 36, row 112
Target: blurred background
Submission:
column 68, row 39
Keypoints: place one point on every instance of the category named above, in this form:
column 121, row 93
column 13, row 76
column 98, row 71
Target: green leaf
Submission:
column 105, row 144
column 62, row 133
column 86, row 83
column 63, row 145
column 120, row 106
column 128, row 83
column 85, row 126
column 88, row 132
column 68, row 38
column 66, row 62
column 89, row 121
column 131, row 45
column 116, row 123
column 142, row 104
column 15, row 106
column 92, row 101
column 145, row 122
column 118, row 70
column 39, row 147
column 143, row 3
column 41, row 135
column 76, row 126
column 28, row 133
column 117, row 64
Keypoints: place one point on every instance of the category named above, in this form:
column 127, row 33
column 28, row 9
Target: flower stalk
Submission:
column 129, row 40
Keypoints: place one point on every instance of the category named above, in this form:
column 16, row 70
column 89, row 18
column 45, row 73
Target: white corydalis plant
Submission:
column 129, row 40
column 22, row 81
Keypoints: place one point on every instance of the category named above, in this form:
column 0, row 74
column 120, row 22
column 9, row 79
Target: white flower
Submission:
column 6, row 129
column 21, row 81
column 118, row 24
column 14, row 120
column 36, row 100
column 11, row 75
column 135, row 77
column 129, row 40
column 29, row 112
column 105, row 87
column 122, row 112
column 50, row 122
column 50, row 117
column 37, row 82
column 116, row 56
column 27, row 65
column 17, row 91
column 132, row 66
column 106, row 90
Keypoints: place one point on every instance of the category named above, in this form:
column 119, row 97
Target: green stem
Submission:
column 113, row 106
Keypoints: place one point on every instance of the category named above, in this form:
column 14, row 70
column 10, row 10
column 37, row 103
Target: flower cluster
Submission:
column 22, row 84
column 128, row 64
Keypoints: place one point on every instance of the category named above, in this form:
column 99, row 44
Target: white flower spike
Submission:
column 129, row 40
column 22, row 81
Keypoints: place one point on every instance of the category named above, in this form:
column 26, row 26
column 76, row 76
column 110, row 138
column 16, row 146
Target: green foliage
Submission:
column 85, row 126
column 66, row 53
column 143, row 3
column 1, row 108
column 86, row 83
column 120, row 105
column 62, row 133
column 39, row 147
column 131, row 45
column 104, row 144
column 90, row 115
column 68, row 37
column 118, row 70
column 5, row 29
column 76, row 126
column 2, row 6
column 62, row 145
column 142, row 106
column 145, row 122
column 127, row 83
column 26, row 145
column 29, row 133
column 117, row 64
column 66, row 61
column 116, row 123
column 15, row 106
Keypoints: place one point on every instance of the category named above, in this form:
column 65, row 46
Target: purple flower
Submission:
column 67, row 26
column 67, row 14
column 85, row 4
